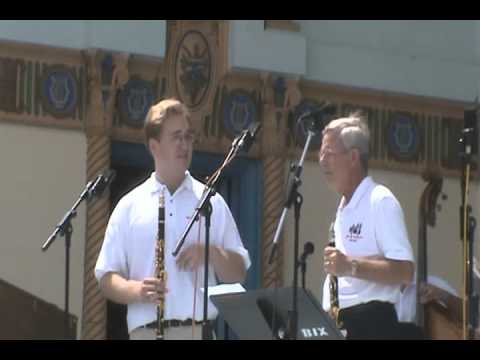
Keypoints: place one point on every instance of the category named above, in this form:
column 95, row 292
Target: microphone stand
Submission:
column 293, row 196
column 64, row 228
column 303, row 268
column 205, row 208
column 207, row 212
column 467, row 230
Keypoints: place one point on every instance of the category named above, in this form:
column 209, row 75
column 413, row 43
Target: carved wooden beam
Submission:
column 95, row 121
column 120, row 77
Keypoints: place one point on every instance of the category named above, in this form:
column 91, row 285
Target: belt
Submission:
column 171, row 323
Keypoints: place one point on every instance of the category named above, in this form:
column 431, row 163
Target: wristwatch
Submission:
column 354, row 267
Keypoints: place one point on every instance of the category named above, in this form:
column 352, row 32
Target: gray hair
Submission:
column 353, row 133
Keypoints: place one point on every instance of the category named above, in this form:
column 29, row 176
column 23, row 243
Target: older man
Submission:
column 372, row 257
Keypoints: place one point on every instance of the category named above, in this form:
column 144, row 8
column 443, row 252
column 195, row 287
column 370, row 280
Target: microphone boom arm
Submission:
column 291, row 191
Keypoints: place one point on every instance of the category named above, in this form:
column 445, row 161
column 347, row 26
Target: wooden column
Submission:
column 98, row 128
column 273, row 189
column 274, row 156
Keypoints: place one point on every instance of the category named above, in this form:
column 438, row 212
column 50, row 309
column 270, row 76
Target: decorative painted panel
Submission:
column 193, row 69
column 10, row 71
column 135, row 100
column 407, row 133
column 239, row 111
column 59, row 89
column 41, row 91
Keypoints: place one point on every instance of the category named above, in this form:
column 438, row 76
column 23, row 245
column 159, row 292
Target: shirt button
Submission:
column 170, row 214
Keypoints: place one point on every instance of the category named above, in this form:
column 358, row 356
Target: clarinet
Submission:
column 160, row 272
column 333, row 284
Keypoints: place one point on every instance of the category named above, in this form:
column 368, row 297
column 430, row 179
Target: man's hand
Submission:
column 227, row 264
column 335, row 262
column 429, row 292
column 191, row 257
column 151, row 290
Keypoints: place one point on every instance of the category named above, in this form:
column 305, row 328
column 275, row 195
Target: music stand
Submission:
column 261, row 315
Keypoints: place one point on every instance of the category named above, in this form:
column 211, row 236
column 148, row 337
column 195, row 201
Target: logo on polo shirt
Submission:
column 354, row 232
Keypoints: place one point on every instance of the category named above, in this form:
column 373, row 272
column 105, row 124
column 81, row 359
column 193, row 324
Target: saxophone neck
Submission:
column 161, row 200
column 160, row 264
column 331, row 234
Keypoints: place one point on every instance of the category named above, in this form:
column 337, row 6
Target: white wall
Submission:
column 144, row 37
column 253, row 48
column 444, row 249
column 423, row 57
column 43, row 173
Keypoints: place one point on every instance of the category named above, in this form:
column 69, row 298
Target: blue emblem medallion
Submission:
column 403, row 137
column 135, row 100
column 59, row 91
column 239, row 111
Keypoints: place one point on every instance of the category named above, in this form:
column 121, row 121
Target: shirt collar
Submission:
column 156, row 185
column 361, row 190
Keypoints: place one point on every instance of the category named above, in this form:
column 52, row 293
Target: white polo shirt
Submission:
column 130, row 241
column 372, row 223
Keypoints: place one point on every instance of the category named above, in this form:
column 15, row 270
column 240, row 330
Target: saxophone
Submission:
column 160, row 272
column 333, row 284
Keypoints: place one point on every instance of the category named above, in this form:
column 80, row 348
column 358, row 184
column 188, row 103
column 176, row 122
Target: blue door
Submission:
column 241, row 188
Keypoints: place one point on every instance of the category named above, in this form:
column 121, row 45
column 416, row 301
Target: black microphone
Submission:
column 317, row 118
column 101, row 183
column 308, row 249
column 247, row 138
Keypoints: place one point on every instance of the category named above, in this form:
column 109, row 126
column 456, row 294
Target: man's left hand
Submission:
column 335, row 262
column 191, row 257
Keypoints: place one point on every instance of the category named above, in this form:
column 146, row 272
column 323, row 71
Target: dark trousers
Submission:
column 376, row 320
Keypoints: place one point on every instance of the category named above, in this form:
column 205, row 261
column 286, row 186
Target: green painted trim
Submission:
column 36, row 90
column 21, row 95
column 81, row 91
column 28, row 106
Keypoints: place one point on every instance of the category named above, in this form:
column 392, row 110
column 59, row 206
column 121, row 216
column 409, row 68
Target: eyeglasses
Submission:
column 329, row 153
column 188, row 137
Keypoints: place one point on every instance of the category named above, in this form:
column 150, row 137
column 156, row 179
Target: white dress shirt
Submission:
column 130, row 241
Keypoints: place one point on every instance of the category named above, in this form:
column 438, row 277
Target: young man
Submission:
column 126, row 265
